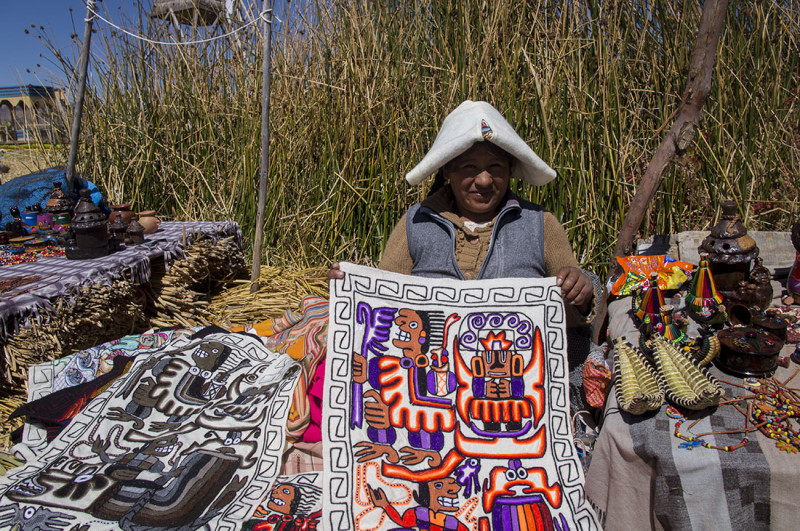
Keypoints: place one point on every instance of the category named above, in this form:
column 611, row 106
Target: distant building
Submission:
column 31, row 111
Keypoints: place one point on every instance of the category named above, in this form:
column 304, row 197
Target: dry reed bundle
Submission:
column 8, row 404
column 96, row 314
column 280, row 289
column 180, row 295
column 100, row 313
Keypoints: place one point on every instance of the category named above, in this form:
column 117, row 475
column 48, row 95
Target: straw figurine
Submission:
column 685, row 384
column 667, row 328
column 651, row 302
column 637, row 388
column 702, row 299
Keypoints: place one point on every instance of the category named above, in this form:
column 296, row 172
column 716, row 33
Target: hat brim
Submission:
column 478, row 121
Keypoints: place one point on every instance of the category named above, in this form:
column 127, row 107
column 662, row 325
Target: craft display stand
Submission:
column 76, row 304
column 644, row 477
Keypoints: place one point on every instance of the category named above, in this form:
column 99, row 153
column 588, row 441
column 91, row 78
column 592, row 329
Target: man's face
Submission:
column 479, row 181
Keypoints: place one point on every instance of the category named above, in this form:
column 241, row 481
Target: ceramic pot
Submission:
column 44, row 221
column 748, row 352
column 730, row 251
column 149, row 221
column 90, row 228
column 59, row 201
column 135, row 232
column 123, row 210
column 62, row 218
column 30, row 219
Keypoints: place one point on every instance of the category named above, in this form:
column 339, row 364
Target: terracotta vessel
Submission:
column 762, row 278
column 730, row 252
column 59, row 201
column 135, row 233
column 149, row 221
column 123, row 210
column 15, row 227
column 117, row 229
column 748, row 352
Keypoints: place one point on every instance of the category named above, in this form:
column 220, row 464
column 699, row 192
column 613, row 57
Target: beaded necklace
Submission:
column 773, row 408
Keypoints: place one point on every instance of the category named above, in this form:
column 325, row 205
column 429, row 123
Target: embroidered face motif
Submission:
column 282, row 498
column 411, row 335
column 479, row 180
column 444, row 495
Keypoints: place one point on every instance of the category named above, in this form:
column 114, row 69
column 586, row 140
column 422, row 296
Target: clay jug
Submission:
column 149, row 221
column 123, row 210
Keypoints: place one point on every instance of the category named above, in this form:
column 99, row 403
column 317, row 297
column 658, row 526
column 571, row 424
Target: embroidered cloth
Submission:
column 447, row 406
column 191, row 437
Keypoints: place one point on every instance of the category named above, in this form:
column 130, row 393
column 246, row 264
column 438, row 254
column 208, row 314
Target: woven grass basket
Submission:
column 685, row 383
column 636, row 385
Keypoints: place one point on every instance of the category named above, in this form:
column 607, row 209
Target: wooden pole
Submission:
column 687, row 117
column 258, row 244
column 83, row 66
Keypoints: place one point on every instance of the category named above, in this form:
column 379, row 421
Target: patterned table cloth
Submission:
column 59, row 277
column 643, row 477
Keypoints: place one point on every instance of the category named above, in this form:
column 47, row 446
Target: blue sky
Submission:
column 19, row 52
column 20, row 60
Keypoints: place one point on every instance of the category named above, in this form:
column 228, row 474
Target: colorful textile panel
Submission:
column 303, row 336
column 636, row 270
column 293, row 504
column 191, row 437
column 447, row 406
column 79, row 370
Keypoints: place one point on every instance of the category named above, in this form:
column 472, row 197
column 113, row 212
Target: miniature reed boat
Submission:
column 685, row 384
column 637, row 388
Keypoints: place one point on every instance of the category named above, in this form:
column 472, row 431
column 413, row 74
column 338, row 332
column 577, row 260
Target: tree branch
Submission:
column 684, row 129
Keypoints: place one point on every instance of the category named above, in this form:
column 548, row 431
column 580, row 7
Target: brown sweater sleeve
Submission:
column 396, row 257
column 557, row 249
column 557, row 254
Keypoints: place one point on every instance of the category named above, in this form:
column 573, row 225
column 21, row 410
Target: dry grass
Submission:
column 280, row 289
column 22, row 161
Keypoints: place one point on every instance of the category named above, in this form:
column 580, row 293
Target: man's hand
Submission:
column 377, row 497
column 335, row 272
column 576, row 288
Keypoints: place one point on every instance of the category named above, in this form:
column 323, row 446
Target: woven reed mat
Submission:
column 178, row 296
column 280, row 289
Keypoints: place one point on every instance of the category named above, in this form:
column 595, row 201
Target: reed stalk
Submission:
column 360, row 88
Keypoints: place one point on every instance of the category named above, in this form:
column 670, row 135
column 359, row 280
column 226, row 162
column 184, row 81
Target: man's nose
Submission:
column 484, row 178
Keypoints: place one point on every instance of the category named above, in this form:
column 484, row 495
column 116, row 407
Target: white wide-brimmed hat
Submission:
column 478, row 121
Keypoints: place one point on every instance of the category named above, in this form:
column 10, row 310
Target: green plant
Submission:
column 359, row 90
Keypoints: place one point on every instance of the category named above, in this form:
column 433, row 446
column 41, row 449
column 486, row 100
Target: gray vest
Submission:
column 516, row 248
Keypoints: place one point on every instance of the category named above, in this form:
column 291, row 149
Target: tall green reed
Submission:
column 359, row 90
